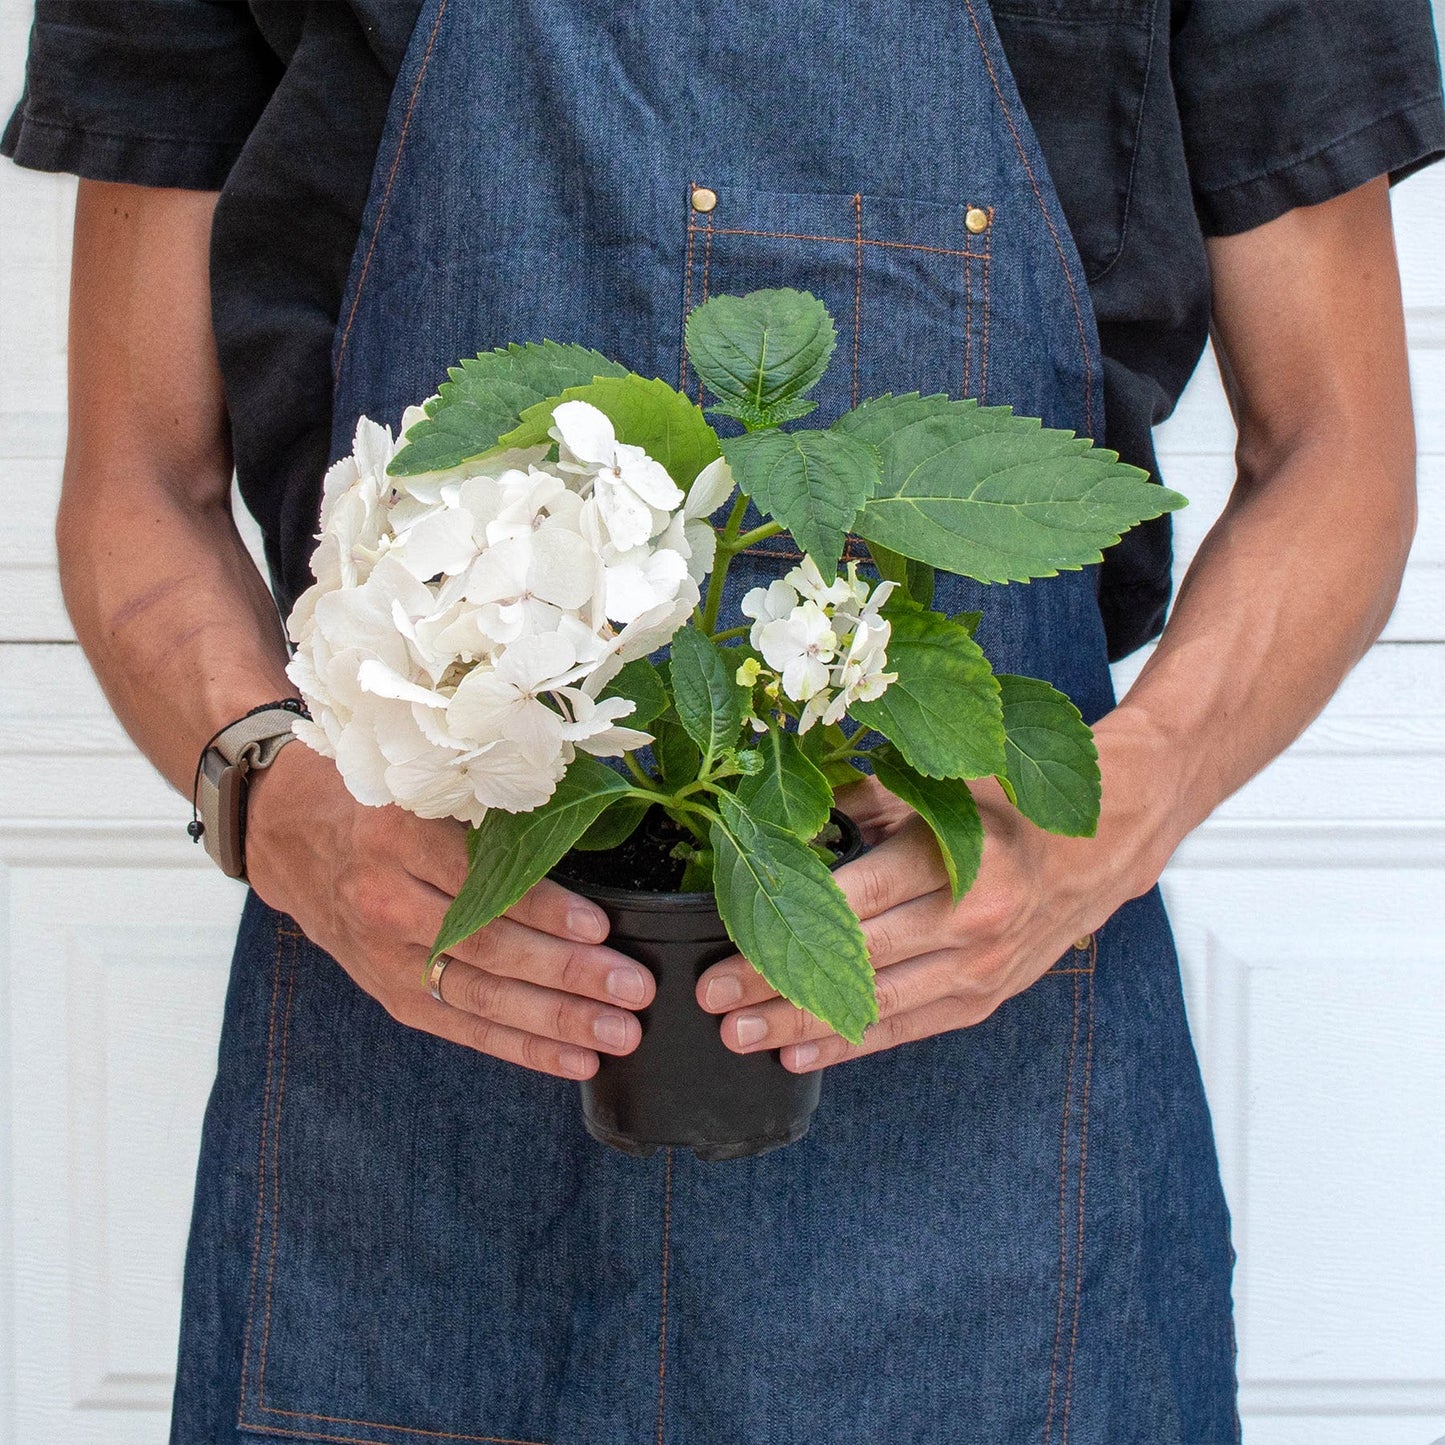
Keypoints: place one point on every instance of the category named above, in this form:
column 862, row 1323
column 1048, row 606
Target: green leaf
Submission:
column 943, row 713
column 697, row 875
column 946, row 805
column 510, row 852
column 486, row 396
column 791, row 921
column 915, row 579
column 994, row 496
column 817, row 743
column 647, row 414
column 760, row 353
column 789, row 791
column 614, row 825
column 1052, row 766
column 678, row 758
column 756, row 418
column 813, row 482
column 705, row 692
column 642, row 683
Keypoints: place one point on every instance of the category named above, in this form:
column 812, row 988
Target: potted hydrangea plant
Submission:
column 493, row 592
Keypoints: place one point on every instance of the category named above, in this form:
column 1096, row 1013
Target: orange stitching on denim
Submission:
column 662, row 1330
column 1063, row 1216
column 845, row 241
column 987, row 263
column 706, row 266
column 967, row 325
column 858, row 285
column 276, row 1176
column 1093, row 952
column 391, row 176
column 356, row 1440
column 1079, row 1248
column 1048, row 219
column 686, row 296
column 261, row 1175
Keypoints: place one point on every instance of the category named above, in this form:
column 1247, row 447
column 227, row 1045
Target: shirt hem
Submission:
column 189, row 165
column 1397, row 144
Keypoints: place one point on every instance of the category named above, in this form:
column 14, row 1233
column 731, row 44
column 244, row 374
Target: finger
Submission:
column 434, row 850
column 551, row 908
column 905, row 865
column 902, row 988
column 431, row 849
column 938, row 1017
column 529, row 1008
column 733, row 983
column 513, row 950
column 912, row 927
column 899, row 932
column 486, row 1036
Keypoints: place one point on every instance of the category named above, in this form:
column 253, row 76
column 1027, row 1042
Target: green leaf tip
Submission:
column 484, row 397
column 761, row 353
column 1051, row 763
column 810, row 482
column 510, row 852
column 993, row 496
column 791, row 921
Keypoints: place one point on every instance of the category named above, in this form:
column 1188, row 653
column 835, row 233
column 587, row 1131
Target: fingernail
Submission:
column 575, row 1062
column 750, row 1029
column 627, row 984
column 804, row 1054
column 723, row 991
column 587, row 924
column 610, row 1030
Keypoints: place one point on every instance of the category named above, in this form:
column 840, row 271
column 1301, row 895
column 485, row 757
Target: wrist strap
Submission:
column 218, row 792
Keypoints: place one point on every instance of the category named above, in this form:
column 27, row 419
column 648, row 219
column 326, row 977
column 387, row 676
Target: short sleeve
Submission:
column 1287, row 103
column 151, row 92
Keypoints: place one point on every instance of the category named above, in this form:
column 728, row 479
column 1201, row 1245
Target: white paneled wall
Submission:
column 1310, row 915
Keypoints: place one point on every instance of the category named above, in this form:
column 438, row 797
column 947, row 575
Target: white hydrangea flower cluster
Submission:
column 463, row 624
column 826, row 640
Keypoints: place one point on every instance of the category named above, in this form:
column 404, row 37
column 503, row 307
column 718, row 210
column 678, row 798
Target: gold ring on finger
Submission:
column 434, row 976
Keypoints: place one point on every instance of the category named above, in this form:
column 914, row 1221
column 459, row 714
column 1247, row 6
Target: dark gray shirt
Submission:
column 1163, row 122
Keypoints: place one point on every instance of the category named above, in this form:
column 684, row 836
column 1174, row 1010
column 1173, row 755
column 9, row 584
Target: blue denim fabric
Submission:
column 1013, row 1232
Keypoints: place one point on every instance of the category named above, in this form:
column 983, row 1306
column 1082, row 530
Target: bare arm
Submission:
column 1298, row 576
column 182, row 633
column 1293, row 584
column 163, row 596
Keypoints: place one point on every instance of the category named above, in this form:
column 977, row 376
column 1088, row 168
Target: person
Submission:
column 1006, row 1223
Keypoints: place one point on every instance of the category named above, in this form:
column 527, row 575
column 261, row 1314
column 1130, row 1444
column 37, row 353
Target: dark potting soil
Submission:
column 645, row 862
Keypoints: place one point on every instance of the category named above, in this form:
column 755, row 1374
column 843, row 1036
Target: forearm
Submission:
column 175, row 620
column 165, row 600
column 1298, row 576
column 1291, row 586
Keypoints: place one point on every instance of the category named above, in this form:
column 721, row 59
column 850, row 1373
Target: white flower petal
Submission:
column 712, row 486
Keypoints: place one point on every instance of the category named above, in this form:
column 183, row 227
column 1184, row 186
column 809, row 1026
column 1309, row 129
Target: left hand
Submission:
column 942, row 967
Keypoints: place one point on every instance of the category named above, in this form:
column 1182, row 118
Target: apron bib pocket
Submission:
column 906, row 281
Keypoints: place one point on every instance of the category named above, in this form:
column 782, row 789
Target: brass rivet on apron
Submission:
column 703, row 199
column 1085, row 943
column 976, row 220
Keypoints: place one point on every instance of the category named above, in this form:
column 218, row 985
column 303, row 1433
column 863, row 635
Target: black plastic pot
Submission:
column 682, row 1085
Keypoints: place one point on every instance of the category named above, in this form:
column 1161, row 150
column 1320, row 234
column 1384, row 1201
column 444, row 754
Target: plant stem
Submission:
column 734, row 522
column 640, row 773
column 727, row 545
column 758, row 534
column 732, row 634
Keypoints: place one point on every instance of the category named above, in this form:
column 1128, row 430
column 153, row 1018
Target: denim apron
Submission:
column 1013, row 1232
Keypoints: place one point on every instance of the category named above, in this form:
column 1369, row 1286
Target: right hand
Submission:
column 370, row 886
